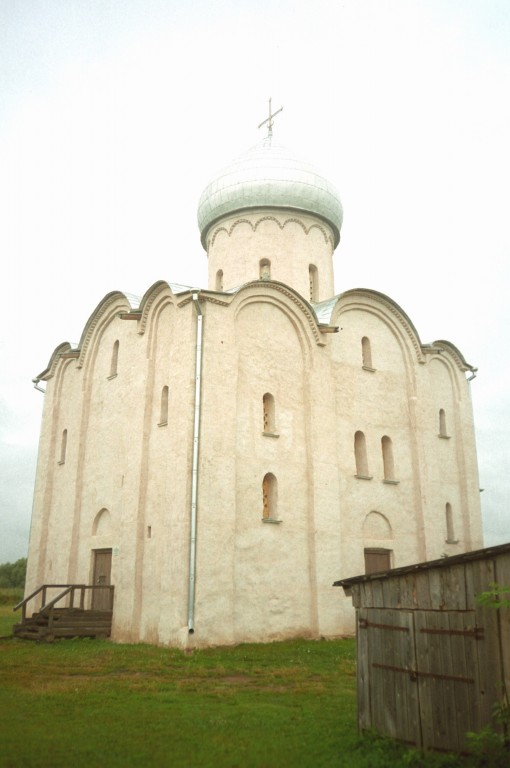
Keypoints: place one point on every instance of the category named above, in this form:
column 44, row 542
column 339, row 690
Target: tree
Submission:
column 13, row 574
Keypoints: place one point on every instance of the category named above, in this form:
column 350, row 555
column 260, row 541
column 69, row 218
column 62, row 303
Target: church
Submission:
column 223, row 455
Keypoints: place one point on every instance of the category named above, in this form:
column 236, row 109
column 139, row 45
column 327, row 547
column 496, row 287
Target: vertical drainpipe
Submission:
column 194, row 469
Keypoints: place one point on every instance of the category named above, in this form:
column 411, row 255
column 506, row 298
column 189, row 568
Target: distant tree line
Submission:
column 13, row 574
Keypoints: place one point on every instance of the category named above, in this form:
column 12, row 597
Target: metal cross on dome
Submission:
column 269, row 120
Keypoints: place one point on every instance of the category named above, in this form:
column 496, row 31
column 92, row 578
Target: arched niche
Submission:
column 377, row 526
column 102, row 523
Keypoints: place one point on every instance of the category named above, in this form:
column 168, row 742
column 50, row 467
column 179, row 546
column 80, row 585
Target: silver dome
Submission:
column 269, row 176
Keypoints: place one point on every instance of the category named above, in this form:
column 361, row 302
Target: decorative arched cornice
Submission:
column 455, row 353
column 229, row 231
column 187, row 299
column 365, row 298
column 149, row 297
column 49, row 371
column 327, row 238
column 281, row 222
column 112, row 301
column 267, row 286
column 423, row 351
column 215, row 234
column 212, row 299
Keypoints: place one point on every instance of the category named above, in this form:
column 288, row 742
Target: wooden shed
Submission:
column 431, row 660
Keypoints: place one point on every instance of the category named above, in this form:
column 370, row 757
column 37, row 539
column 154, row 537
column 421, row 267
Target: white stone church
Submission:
column 223, row 455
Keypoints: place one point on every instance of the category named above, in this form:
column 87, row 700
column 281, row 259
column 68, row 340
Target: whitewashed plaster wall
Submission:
column 255, row 580
column 290, row 241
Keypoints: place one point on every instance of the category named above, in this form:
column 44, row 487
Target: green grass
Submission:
column 9, row 596
column 94, row 703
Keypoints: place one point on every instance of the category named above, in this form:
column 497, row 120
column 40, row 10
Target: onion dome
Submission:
column 269, row 176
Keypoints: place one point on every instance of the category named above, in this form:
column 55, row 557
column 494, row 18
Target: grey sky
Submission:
column 113, row 116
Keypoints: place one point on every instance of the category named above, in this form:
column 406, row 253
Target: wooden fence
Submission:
column 432, row 662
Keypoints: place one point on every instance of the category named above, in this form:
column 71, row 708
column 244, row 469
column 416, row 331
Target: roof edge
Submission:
column 442, row 562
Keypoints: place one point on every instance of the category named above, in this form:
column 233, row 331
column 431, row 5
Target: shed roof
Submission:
column 443, row 562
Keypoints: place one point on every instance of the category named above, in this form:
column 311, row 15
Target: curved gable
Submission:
column 112, row 304
column 383, row 307
column 455, row 354
column 299, row 311
column 50, row 369
column 158, row 295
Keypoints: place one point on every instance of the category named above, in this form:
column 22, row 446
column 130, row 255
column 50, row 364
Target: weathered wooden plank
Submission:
column 460, row 659
column 82, row 632
column 389, row 618
column 355, row 594
column 423, row 599
column 442, row 680
column 502, row 577
column 363, row 672
column 408, row 591
column 366, row 594
column 470, row 588
column 406, row 689
column 377, row 594
column 453, row 588
column 65, row 622
column 80, row 620
column 391, row 593
column 425, row 684
column 377, row 675
column 450, row 687
column 393, row 697
column 464, row 659
column 82, row 627
column 482, row 575
column 437, row 598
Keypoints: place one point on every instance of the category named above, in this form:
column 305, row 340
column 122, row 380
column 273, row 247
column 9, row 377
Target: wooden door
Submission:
column 419, row 675
column 447, row 647
column 387, row 689
column 377, row 560
column 102, row 578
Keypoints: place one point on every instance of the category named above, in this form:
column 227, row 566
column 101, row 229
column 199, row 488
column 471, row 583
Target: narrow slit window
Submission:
column 360, row 454
column 387, row 454
column 366, row 353
column 265, row 269
column 269, row 497
column 268, row 413
column 313, row 279
column 219, row 280
column 442, row 423
column 450, row 531
column 163, row 415
column 115, row 359
column 63, row 447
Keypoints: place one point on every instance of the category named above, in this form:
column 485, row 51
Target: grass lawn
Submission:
column 94, row 703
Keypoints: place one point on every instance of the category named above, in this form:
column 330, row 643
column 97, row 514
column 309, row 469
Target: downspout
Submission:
column 36, row 382
column 194, row 469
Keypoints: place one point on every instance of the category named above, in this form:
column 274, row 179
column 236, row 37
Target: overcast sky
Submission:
column 114, row 114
